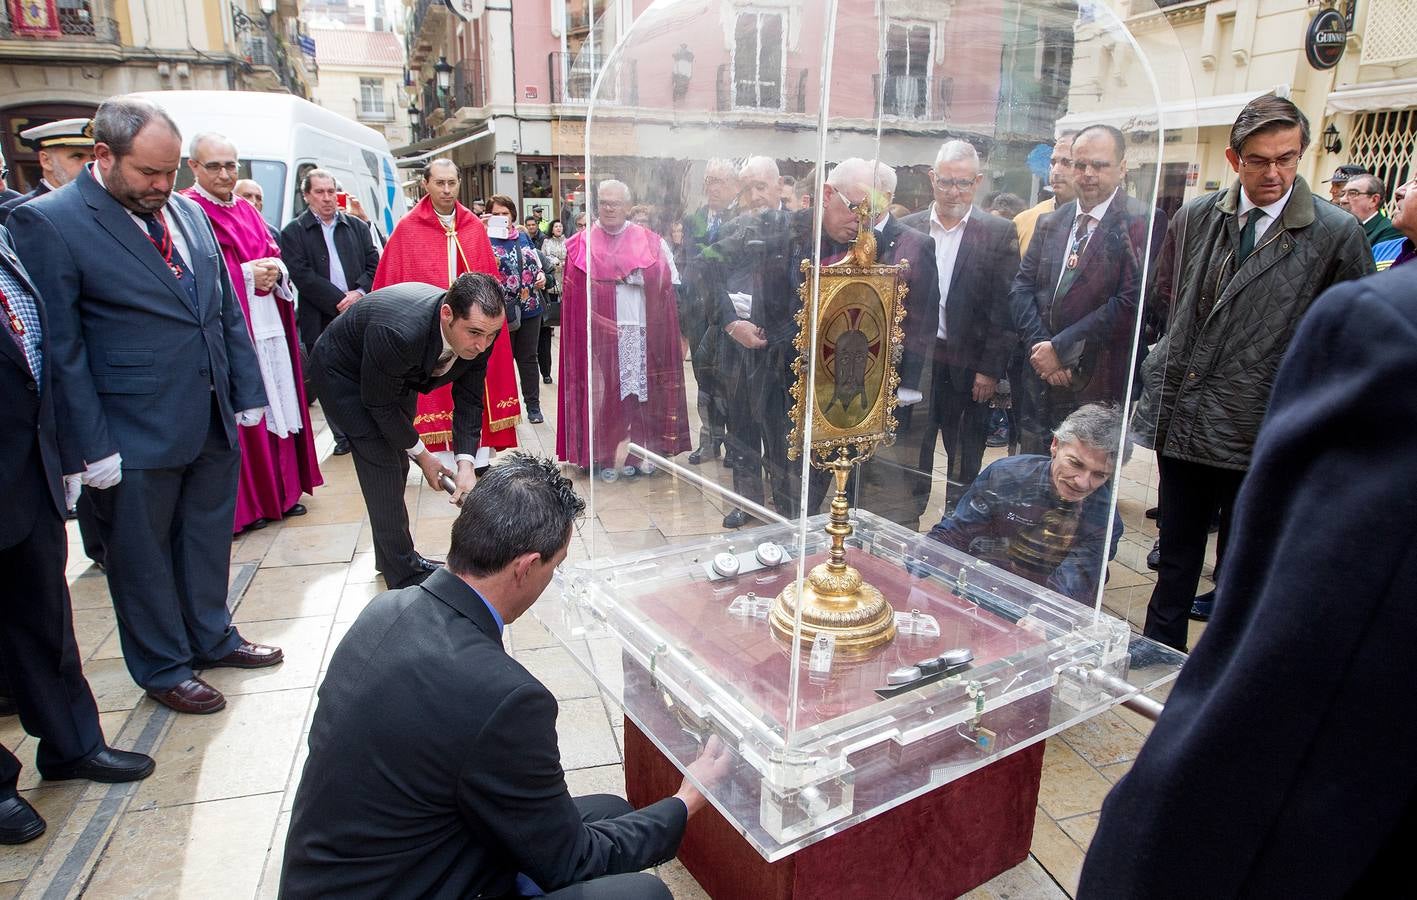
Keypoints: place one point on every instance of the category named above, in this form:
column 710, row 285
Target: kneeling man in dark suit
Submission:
column 368, row 369
column 434, row 768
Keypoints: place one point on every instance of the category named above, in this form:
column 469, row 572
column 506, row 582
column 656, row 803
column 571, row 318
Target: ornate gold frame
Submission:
column 875, row 292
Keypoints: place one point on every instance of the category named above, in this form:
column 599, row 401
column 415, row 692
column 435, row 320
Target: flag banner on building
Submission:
column 307, row 45
column 34, row 18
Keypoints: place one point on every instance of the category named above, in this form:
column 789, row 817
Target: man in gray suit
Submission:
column 368, row 369
column 156, row 370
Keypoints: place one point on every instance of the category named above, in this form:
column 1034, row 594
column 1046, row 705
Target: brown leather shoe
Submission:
column 193, row 696
column 247, row 656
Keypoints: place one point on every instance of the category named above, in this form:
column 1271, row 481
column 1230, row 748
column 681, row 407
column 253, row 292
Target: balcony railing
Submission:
column 468, row 87
column 746, row 93
column 382, row 111
column 86, row 22
column 913, row 96
column 573, row 76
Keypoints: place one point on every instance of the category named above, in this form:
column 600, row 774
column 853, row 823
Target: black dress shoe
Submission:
column 428, row 565
column 19, row 822
column 534, row 416
column 1153, row 557
column 109, row 765
column 1203, row 606
column 296, row 510
column 697, row 457
column 257, row 525
column 736, row 519
column 341, row 448
column 545, row 379
column 1153, row 513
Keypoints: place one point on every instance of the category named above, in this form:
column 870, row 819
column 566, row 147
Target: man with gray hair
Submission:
column 159, row 373
column 1045, row 518
column 1237, row 272
column 976, row 255
column 701, row 228
column 1365, row 196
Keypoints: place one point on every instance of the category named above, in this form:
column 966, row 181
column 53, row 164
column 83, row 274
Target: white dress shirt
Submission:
column 174, row 226
column 947, row 241
column 1271, row 211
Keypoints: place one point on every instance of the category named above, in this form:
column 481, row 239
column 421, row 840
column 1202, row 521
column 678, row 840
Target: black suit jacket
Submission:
column 8, row 206
column 138, row 362
column 1092, row 323
column 977, row 320
column 302, row 248
column 1282, row 766
column 29, row 451
column 376, row 359
column 434, row 769
column 897, row 242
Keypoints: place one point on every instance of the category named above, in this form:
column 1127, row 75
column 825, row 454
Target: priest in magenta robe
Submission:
column 635, row 386
column 436, row 242
column 278, row 461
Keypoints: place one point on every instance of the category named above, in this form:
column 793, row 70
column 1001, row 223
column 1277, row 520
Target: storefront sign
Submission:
column 1326, row 40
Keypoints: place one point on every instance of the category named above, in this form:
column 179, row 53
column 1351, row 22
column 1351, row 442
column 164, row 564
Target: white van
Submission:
column 280, row 137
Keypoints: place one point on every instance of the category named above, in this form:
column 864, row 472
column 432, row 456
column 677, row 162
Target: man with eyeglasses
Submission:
column 1238, row 270
column 1060, row 180
column 1364, row 196
column 278, row 460
column 1074, row 300
column 976, row 256
column 1402, row 249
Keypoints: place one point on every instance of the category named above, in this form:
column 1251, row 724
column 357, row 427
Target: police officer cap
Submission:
column 63, row 133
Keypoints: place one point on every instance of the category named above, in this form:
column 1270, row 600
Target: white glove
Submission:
column 908, row 397
column 249, row 417
column 72, row 485
column 105, row 473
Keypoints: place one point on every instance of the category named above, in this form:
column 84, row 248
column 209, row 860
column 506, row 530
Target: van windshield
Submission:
column 269, row 175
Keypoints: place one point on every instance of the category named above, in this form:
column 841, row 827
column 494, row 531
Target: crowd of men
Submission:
column 165, row 347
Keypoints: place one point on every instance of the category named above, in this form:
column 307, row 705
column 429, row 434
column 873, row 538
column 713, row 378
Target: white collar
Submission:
column 228, row 204
column 1273, row 210
column 1100, row 210
column 45, row 182
column 881, row 225
column 935, row 219
column 1375, row 214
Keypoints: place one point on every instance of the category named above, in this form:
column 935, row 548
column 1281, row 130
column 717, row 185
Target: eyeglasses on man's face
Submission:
column 1354, row 192
column 1286, row 163
column 959, row 184
column 215, row 167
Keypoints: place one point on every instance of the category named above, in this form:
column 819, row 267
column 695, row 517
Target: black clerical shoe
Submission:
column 545, row 379
column 698, row 456
column 109, row 765
column 19, row 822
column 1153, row 513
column 257, row 525
column 534, row 416
column 341, row 447
column 296, row 510
column 1203, row 607
column 1153, row 556
column 428, row 565
column 736, row 519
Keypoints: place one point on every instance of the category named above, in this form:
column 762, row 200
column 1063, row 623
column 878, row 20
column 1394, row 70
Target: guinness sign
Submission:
column 1326, row 40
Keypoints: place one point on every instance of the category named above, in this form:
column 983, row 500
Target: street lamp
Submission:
column 683, row 70
column 1331, row 142
column 443, row 72
column 415, row 119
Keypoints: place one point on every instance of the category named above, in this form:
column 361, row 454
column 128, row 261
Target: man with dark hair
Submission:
column 331, row 259
column 369, row 367
column 1074, row 300
column 1365, row 196
column 434, row 768
column 1060, row 182
column 157, row 373
column 1044, row 517
column 1238, row 270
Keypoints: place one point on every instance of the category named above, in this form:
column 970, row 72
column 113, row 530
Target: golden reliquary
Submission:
column 849, row 345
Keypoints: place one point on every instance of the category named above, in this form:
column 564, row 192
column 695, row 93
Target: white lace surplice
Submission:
column 630, row 317
column 273, row 353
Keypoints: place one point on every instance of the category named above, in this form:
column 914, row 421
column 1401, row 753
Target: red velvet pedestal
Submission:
column 940, row 845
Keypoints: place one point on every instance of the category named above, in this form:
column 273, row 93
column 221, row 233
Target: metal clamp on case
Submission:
column 730, row 564
column 927, row 671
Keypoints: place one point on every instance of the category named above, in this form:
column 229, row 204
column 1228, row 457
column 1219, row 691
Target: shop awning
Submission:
column 1203, row 112
column 416, row 153
column 1378, row 95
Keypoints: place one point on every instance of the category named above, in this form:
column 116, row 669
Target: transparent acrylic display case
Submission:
column 705, row 304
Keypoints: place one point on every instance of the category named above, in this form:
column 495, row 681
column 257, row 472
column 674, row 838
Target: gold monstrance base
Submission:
column 834, row 599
